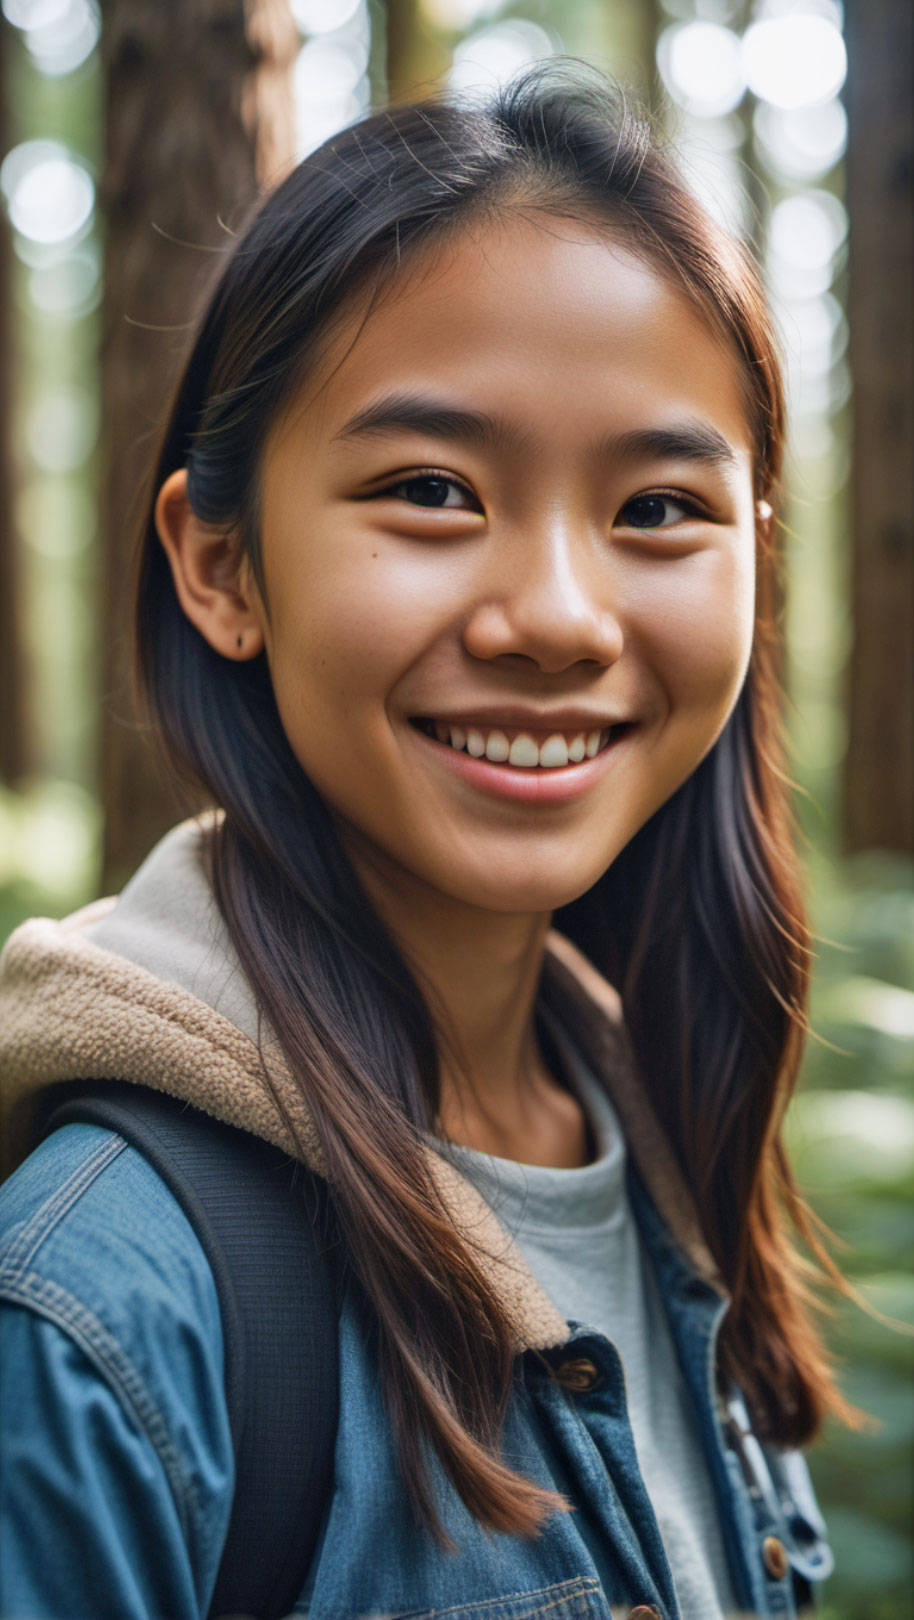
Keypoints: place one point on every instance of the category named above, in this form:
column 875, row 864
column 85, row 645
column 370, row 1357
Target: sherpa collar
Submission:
column 147, row 988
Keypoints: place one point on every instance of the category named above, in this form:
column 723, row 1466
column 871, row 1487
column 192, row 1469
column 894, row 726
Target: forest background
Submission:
column 133, row 134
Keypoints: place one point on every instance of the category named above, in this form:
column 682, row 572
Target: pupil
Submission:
column 428, row 491
column 646, row 512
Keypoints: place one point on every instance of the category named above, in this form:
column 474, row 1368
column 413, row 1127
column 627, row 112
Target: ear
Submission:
column 213, row 582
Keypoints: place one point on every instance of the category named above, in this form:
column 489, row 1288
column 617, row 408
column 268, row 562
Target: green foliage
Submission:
column 49, row 852
column 851, row 1134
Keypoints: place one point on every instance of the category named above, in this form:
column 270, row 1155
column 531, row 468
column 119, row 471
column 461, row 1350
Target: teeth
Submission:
column 554, row 752
column 497, row 748
column 523, row 751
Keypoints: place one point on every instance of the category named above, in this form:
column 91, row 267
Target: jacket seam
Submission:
column 578, row 1586
column 82, row 1326
column 42, row 1223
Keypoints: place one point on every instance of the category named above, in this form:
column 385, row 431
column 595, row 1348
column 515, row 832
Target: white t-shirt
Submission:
column 577, row 1233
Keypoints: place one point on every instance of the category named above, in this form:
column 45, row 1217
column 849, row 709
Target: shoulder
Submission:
column 104, row 1285
column 87, row 1217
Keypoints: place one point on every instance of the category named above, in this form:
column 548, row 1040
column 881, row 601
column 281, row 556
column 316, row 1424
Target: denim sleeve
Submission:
column 88, row 1524
column 116, row 1470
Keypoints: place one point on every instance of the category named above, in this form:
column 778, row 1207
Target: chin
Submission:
column 525, row 891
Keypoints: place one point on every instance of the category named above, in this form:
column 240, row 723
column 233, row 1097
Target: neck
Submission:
column 480, row 971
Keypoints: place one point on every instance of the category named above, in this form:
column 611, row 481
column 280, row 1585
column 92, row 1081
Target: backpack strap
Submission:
column 263, row 1223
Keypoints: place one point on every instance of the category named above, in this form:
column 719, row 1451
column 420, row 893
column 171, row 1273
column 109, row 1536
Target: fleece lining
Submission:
column 147, row 988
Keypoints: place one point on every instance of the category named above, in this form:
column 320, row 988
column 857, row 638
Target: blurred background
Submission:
column 135, row 133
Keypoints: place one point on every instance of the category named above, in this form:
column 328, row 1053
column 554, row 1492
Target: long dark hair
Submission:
column 699, row 921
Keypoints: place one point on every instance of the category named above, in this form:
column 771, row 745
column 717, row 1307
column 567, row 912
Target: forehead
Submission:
column 548, row 324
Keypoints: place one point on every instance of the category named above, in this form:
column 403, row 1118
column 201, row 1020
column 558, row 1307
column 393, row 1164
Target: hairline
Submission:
column 537, row 201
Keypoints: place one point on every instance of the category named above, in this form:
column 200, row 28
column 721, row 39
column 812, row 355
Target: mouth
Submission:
column 524, row 748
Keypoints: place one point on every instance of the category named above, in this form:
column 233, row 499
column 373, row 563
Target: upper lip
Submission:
column 520, row 715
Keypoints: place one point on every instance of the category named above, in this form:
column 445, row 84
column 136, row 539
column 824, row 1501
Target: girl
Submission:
column 456, row 595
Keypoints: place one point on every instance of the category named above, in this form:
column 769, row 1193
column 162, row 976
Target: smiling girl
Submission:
column 456, row 595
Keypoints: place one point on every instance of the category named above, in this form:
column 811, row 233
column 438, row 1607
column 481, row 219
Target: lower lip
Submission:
column 537, row 785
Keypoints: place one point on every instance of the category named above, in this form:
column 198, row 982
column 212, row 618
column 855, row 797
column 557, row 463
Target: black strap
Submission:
column 264, row 1226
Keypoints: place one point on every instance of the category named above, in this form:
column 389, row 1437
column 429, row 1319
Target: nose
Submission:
column 549, row 599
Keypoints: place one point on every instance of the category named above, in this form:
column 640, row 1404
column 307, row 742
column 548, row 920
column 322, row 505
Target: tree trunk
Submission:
column 199, row 115
column 879, row 771
column 12, row 652
column 630, row 30
column 417, row 59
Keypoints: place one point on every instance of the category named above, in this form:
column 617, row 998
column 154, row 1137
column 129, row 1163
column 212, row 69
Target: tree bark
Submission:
column 13, row 745
column 199, row 114
column 879, row 770
column 417, row 58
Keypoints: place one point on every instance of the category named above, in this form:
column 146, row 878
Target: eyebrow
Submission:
column 689, row 440
column 398, row 413
column 684, row 441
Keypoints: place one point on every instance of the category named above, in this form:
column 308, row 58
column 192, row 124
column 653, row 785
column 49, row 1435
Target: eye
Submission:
column 432, row 489
column 657, row 511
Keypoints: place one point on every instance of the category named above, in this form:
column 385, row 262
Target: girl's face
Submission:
column 509, row 552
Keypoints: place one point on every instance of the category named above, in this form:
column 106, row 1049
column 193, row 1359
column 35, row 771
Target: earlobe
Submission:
column 214, row 592
column 764, row 526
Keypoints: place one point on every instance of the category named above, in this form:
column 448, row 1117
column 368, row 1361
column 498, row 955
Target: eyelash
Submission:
column 691, row 507
column 425, row 475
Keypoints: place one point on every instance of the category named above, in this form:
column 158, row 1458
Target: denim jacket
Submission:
column 118, row 1470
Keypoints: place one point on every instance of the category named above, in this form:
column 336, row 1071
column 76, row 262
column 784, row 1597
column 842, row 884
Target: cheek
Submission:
column 346, row 630
column 698, row 624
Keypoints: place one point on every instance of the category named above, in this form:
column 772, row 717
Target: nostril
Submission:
column 545, row 632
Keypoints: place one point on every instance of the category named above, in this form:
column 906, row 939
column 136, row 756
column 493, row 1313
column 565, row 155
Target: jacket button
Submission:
column 577, row 1375
column 774, row 1558
column 644, row 1611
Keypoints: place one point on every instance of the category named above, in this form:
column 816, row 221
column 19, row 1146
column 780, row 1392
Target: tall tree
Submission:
column 199, row 114
column 13, row 758
column 416, row 55
column 879, row 772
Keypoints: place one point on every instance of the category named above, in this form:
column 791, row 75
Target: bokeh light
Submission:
column 806, row 236
column 493, row 55
column 719, row 11
column 323, row 16
column 68, row 287
column 794, row 60
column 701, row 65
column 710, row 154
column 62, row 428
column 34, row 13
column 330, row 77
column 814, row 332
column 802, row 143
column 460, row 14
column 60, row 34
column 50, row 195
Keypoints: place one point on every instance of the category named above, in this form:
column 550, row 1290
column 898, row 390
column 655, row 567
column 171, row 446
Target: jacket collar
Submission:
column 147, row 988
